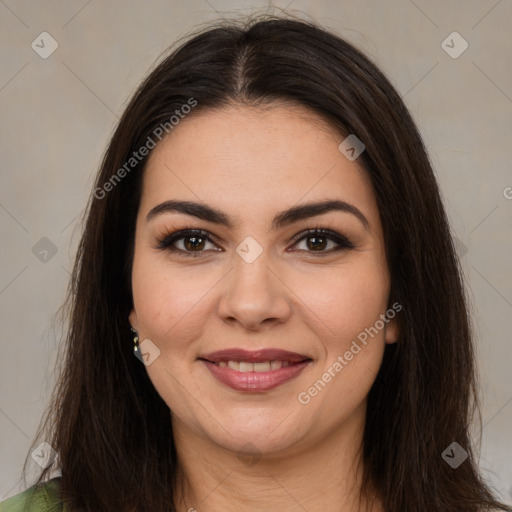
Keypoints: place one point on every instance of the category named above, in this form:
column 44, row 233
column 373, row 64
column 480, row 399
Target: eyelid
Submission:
column 340, row 239
column 170, row 236
column 174, row 234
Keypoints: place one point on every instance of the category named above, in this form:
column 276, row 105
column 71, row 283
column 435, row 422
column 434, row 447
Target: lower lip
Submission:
column 255, row 381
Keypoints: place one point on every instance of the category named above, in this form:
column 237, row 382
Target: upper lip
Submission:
column 256, row 356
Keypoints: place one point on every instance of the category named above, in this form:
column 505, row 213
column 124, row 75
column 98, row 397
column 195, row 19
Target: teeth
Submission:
column 275, row 365
column 234, row 365
column 261, row 367
column 244, row 366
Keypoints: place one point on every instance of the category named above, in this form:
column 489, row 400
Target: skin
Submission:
column 251, row 164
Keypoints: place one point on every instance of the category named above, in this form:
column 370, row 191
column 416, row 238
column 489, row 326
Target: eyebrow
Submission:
column 284, row 218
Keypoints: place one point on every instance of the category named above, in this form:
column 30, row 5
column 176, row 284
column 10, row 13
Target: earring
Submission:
column 135, row 341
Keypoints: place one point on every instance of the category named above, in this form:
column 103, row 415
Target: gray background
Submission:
column 57, row 114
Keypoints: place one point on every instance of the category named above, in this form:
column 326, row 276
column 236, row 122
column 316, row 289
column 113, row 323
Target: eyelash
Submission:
column 167, row 239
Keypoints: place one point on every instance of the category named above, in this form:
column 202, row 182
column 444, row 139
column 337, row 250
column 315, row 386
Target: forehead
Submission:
column 254, row 160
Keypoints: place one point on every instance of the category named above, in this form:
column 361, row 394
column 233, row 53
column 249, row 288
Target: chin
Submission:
column 261, row 438
column 249, row 443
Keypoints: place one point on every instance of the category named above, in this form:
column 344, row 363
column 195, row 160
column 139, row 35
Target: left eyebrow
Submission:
column 284, row 218
column 307, row 210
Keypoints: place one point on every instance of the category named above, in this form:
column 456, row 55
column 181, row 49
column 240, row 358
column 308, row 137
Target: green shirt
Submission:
column 44, row 498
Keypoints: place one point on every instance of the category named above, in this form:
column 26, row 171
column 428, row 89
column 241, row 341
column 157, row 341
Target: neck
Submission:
column 324, row 476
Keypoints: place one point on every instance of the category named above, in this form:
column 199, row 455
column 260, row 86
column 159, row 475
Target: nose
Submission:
column 254, row 295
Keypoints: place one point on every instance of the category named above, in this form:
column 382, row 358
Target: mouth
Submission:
column 255, row 371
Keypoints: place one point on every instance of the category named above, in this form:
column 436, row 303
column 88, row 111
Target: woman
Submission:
column 266, row 235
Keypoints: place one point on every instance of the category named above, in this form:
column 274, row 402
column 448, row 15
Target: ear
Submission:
column 132, row 318
column 391, row 331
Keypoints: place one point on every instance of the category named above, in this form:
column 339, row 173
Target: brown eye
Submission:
column 193, row 242
column 317, row 240
column 189, row 242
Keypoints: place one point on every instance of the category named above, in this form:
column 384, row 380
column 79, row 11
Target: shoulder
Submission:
column 41, row 498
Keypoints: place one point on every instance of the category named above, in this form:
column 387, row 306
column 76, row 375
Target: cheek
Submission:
column 346, row 307
column 167, row 299
column 343, row 301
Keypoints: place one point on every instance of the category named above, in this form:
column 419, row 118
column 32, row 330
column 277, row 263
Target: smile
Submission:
column 245, row 366
column 255, row 371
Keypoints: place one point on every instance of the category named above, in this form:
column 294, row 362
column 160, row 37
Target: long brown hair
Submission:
column 110, row 427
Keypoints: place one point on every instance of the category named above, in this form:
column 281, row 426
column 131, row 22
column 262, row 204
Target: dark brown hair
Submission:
column 110, row 427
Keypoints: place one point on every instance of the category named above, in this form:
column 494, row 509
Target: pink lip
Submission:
column 254, row 381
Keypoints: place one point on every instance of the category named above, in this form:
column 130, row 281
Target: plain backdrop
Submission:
column 58, row 112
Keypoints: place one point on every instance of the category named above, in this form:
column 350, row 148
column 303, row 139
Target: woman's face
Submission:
column 245, row 284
